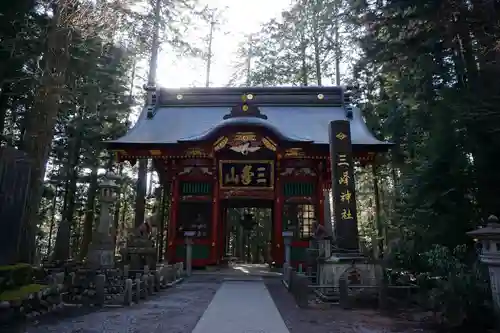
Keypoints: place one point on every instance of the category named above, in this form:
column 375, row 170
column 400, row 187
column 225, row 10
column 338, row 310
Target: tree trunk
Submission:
column 88, row 222
column 317, row 51
column 303, row 58
column 4, row 91
column 381, row 241
column 338, row 51
column 140, row 198
column 40, row 127
column 116, row 216
column 63, row 237
column 52, row 222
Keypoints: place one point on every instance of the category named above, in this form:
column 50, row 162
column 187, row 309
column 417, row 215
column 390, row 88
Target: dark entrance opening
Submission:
column 248, row 230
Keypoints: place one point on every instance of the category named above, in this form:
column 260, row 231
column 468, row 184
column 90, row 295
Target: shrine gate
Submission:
column 216, row 147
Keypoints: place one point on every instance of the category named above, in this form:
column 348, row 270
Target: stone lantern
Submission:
column 101, row 250
column 108, row 189
column 489, row 238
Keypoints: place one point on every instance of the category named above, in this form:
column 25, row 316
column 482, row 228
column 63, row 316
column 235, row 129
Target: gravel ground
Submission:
column 176, row 310
column 332, row 319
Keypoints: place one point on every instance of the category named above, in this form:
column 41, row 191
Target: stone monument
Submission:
column 101, row 249
column 345, row 260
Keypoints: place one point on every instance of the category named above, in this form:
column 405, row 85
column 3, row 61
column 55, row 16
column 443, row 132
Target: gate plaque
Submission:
column 246, row 174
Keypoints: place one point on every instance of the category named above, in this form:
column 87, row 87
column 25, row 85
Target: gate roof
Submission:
column 299, row 114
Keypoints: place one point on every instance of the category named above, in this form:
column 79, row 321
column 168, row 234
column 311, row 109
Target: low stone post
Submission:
column 144, row 281
column 100, row 281
column 72, row 278
column 344, row 293
column 137, row 290
column 293, row 277
column 188, row 235
column 301, row 290
column 166, row 275
column 285, row 268
column 127, row 297
column 287, row 239
column 151, row 284
column 126, row 271
column 287, row 275
column 157, row 279
column 309, row 272
column 383, row 287
column 180, row 270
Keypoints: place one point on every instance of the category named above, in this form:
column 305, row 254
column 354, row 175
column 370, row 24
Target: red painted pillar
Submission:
column 278, row 246
column 222, row 233
column 215, row 218
column 172, row 229
column 320, row 197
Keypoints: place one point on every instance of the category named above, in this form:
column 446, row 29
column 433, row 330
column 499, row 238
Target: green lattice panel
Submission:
column 196, row 188
column 298, row 189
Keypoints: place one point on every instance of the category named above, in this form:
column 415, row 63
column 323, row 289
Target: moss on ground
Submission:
column 14, row 267
column 21, row 293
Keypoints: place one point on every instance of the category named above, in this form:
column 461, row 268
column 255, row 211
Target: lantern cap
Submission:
column 491, row 230
column 108, row 181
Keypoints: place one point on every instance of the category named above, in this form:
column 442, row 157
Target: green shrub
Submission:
column 14, row 276
column 451, row 284
column 458, row 290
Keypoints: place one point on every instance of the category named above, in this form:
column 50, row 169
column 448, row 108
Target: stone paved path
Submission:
column 173, row 311
column 241, row 307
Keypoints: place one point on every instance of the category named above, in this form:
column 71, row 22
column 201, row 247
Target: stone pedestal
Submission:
column 188, row 239
column 139, row 252
column 354, row 267
column 101, row 251
column 287, row 239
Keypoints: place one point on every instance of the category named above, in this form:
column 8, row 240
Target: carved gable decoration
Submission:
column 294, row 153
column 245, row 109
column 195, row 152
column 196, row 171
column 298, row 172
column 244, row 143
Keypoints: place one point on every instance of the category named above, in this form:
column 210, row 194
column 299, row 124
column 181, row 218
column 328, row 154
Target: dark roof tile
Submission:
column 172, row 124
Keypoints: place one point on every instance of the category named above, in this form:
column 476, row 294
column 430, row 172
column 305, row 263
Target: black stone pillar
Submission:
column 344, row 197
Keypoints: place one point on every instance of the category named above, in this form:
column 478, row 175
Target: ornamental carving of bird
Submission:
column 245, row 148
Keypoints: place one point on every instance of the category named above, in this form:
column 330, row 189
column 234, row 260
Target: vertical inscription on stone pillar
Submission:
column 344, row 198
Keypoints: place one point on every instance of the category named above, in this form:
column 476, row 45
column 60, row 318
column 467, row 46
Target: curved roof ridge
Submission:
column 244, row 121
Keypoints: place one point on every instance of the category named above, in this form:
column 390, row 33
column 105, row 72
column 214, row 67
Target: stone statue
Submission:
column 140, row 250
column 319, row 231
